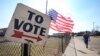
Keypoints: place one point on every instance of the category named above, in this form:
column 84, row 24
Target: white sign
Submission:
column 28, row 25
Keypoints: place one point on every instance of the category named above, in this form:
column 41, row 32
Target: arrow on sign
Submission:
column 19, row 34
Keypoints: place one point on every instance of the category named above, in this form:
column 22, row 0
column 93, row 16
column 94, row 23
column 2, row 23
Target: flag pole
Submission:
column 46, row 6
column 46, row 14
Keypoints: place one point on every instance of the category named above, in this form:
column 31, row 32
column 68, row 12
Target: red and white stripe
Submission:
column 62, row 24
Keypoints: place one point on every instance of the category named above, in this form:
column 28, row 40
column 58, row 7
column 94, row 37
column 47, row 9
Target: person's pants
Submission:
column 86, row 43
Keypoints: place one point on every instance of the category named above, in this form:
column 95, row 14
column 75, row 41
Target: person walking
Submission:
column 86, row 38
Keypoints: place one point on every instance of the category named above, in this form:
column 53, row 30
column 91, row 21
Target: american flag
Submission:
column 59, row 22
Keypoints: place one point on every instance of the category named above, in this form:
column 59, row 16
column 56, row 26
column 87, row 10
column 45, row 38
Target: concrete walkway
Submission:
column 77, row 47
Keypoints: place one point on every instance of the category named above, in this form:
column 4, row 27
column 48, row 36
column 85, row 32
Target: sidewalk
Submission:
column 76, row 47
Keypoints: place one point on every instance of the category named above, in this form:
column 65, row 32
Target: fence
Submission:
column 53, row 47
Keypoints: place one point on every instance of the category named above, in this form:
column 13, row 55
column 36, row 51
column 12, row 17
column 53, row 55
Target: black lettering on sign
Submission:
column 30, row 15
column 18, row 24
column 27, row 27
column 42, row 31
column 36, row 29
column 39, row 19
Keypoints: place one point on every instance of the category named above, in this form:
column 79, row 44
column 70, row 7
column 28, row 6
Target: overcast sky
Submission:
column 83, row 12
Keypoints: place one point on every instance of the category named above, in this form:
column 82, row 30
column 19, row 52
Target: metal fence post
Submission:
column 24, row 49
column 62, row 45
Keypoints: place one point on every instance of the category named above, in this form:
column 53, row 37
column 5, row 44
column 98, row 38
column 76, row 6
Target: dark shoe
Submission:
column 86, row 46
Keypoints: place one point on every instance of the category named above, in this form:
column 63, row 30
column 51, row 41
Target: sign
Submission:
column 28, row 25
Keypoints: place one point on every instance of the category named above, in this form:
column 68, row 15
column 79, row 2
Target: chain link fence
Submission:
column 54, row 47
column 10, row 49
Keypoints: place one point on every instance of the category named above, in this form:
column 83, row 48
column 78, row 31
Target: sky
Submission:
column 85, row 13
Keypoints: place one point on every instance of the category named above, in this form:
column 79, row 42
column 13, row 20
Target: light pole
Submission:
column 93, row 25
column 93, row 31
